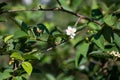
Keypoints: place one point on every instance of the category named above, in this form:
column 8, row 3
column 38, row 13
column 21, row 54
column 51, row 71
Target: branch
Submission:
column 57, row 9
column 45, row 50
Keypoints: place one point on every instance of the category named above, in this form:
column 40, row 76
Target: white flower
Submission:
column 71, row 31
column 27, row 2
column 82, row 67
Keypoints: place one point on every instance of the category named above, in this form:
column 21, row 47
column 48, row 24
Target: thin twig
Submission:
column 45, row 50
column 77, row 21
column 59, row 4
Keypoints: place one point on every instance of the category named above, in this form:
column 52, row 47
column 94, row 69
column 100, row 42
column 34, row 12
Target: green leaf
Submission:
column 75, row 4
column 109, row 20
column 36, row 33
column 107, row 33
column 4, row 75
column 8, row 70
column 24, row 27
column 20, row 34
column 17, row 78
column 94, row 26
column 32, row 56
column 1, row 7
column 94, row 4
column 27, row 67
column 117, row 39
column 96, row 14
column 17, row 55
column 82, row 49
column 8, row 38
column 100, row 54
column 50, row 77
column 42, row 27
column 52, row 38
column 65, row 4
column 99, row 42
column 117, row 26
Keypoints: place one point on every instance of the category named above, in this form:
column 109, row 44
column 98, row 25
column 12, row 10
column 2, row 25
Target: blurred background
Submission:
column 59, row 63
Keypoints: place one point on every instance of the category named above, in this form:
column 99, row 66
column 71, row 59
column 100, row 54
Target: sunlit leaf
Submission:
column 109, row 20
column 17, row 78
column 94, row 26
column 27, row 67
column 94, row 4
column 8, row 38
column 16, row 55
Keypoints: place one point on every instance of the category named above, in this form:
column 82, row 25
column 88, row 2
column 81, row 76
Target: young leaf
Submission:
column 8, row 38
column 27, row 67
column 17, row 55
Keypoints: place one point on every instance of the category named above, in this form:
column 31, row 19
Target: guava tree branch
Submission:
column 61, row 9
column 57, row 9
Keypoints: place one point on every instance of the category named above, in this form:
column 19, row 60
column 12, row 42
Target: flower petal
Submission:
column 74, row 29
column 71, row 37
column 69, row 27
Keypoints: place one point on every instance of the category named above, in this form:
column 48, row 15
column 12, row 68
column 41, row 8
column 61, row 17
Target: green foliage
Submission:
column 4, row 75
column 20, row 34
column 34, row 44
column 109, row 20
column 17, row 55
column 99, row 42
column 117, row 40
column 82, row 49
